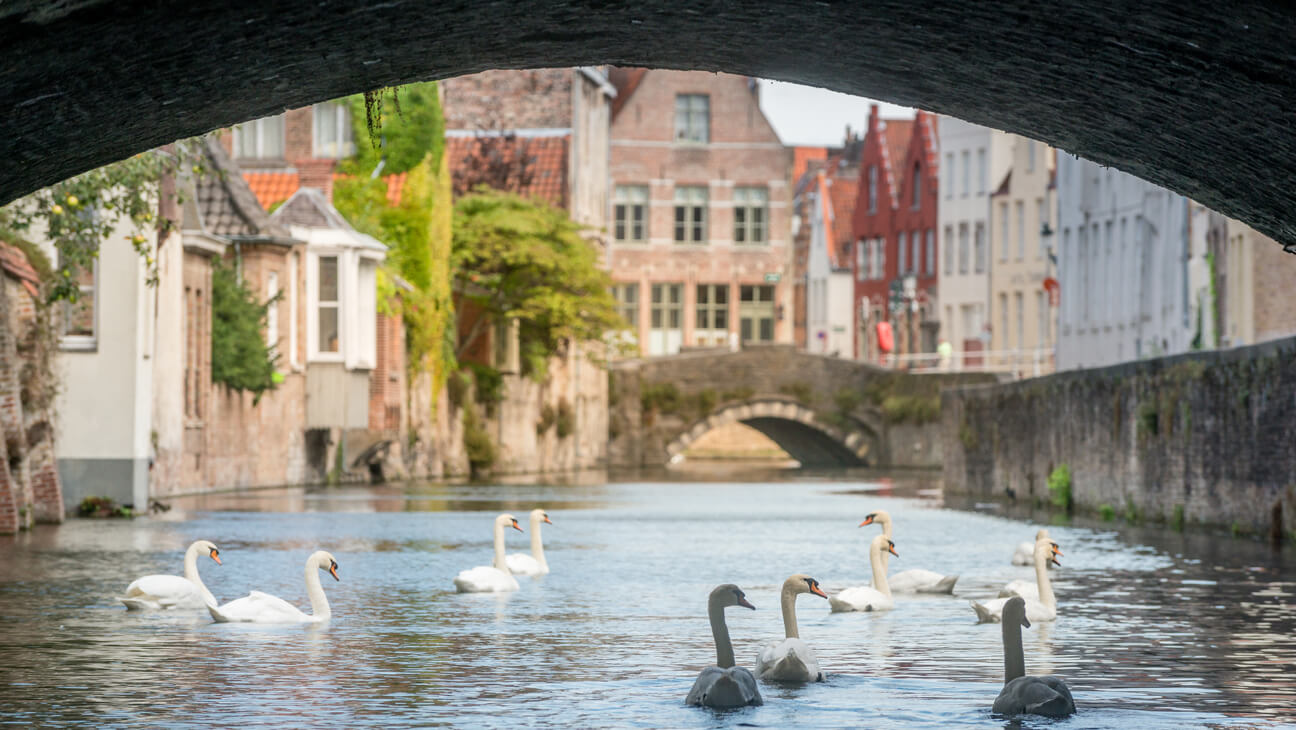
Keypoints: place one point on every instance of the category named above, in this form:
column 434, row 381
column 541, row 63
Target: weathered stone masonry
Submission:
column 1203, row 438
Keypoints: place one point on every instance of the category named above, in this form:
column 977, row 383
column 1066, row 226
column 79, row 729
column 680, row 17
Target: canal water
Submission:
column 1153, row 632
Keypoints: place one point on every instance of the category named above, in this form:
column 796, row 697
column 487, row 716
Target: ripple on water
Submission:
column 1148, row 636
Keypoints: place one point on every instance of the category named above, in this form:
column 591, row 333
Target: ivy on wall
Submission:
column 241, row 359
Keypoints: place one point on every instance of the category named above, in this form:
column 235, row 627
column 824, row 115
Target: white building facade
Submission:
column 974, row 159
column 1125, row 257
column 829, row 288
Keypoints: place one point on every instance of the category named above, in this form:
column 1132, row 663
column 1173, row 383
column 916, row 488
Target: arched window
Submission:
column 917, row 186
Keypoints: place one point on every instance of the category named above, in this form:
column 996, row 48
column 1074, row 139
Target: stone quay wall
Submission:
column 1202, row 438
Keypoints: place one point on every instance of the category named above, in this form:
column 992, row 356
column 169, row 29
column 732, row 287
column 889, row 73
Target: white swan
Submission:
column 865, row 598
column 533, row 564
column 914, row 580
column 1043, row 609
column 494, row 578
column 159, row 592
column 263, row 608
column 1023, row 695
column 791, row 659
column 1025, row 588
column 724, row 685
column 1025, row 553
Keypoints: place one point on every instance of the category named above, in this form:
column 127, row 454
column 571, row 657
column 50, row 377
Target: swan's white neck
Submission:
column 788, row 601
column 879, row 567
column 319, row 602
column 1042, row 578
column 1014, row 658
column 720, row 632
column 191, row 572
column 537, row 549
column 500, row 563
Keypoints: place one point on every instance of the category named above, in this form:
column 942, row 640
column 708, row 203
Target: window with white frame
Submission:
column 872, row 188
column 1020, row 342
column 967, row 171
column 630, row 214
column 328, row 323
column 979, row 249
column 879, row 263
column 981, row 171
column 332, row 130
column 948, row 177
column 1030, row 155
column 902, row 266
column 949, row 250
column 931, row 252
column 1042, row 216
column 691, row 214
column 627, row 299
column 963, row 248
column 751, row 213
column 712, row 321
column 692, row 118
column 366, row 307
column 1004, row 233
column 917, row 186
column 272, row 309
column 260, row 138
column 863, row 259
column 1021, row 230
column 1041, row 319
column 78, row 320
column 915, row 252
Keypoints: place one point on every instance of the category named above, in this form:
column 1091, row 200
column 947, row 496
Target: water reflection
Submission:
column 1155, row 629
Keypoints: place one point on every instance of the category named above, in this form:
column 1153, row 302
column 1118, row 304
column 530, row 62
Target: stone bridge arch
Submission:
column 792, row 425
column 1194, row 96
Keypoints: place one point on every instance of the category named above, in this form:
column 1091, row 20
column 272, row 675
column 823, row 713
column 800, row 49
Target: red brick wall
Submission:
column 387, row 380
column 509, row 99
column 743, row 150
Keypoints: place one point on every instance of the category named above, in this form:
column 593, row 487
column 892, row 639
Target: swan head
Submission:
column 539, row 515
column 802, row 583
column 210, row 548
column 729, row 594
column 881, row 517
column 1042, row 534
column 882, row 544
column 325, row 561
column 1049, row 549
column 507, row 520
column 1014, row 611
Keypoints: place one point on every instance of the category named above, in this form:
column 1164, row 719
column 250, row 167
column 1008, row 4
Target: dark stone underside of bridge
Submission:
column 810, row 447
column 1197, row 96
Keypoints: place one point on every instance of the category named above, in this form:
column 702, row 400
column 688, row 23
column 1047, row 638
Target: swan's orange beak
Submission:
column 742, row 601
column 515, row 526
column 815, row 589
column 867, row 521
column 547, row 520
column 891, row 548
column 215, row 555
column 1057, row 550
column 1054, row 560
column 333, row 572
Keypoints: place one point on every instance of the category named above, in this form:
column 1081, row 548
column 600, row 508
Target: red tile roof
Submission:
column 801, row 158
column 626, row 80
column 14, row 262
column 547, row 155
column 843, row 191
column 896, row 134
column 278, row 186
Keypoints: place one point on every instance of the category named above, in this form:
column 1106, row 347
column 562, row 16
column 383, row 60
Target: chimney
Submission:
column 318, row 174
column 873, row 119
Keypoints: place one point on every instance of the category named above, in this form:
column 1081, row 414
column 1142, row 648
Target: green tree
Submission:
column 80, row 213
column 241, row 359
column 524, row 259
column 399, row 126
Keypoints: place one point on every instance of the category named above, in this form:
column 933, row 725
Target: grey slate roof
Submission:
column 226, row 206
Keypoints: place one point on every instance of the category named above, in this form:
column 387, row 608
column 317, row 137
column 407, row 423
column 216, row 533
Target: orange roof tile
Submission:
column 547, row 157
column 272, row 187
column 14, row 262
column 395, row 186
column 843, row 190
column 896, row 134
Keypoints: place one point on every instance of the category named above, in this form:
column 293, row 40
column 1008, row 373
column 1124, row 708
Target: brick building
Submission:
column 895, row 233
column 701, row 225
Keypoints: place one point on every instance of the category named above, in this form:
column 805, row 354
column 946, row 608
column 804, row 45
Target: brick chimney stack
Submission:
column 318, row 174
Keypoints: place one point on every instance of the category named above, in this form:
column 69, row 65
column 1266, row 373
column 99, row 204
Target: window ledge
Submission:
column 79, row 344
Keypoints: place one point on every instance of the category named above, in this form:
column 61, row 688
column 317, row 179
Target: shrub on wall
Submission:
column 241, row 359
column 566, row 421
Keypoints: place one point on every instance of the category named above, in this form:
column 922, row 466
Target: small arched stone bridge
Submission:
column 795, row 427
column 822, row 411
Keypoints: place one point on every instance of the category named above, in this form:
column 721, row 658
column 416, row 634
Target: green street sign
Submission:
column 772, row 278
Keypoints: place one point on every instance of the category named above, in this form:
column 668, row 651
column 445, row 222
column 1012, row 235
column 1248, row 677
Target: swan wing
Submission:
column 1034, row 696
column 1023, row 588
column 163, row 592
column 523, row 564
column 261, row 608
column 918, row 580
column 790, row 660
column 990, row 611
column 732, row 687
column 862, row 598
column 485, row 579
